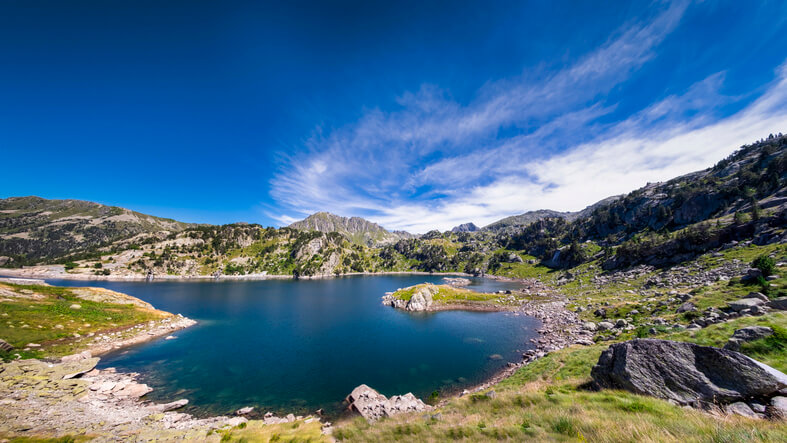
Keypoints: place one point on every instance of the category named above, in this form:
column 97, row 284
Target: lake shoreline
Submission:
column 559, row 328
column 46, row 273
column 548, row 307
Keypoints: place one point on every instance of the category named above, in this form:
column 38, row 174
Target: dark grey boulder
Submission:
column 747, row 334
column 685, row 372
column 686, row 307
column 778, row 303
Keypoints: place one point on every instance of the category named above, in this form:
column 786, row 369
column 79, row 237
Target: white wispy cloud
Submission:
column 435, row 163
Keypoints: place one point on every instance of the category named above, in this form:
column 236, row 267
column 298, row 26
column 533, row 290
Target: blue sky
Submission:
column 416, row 115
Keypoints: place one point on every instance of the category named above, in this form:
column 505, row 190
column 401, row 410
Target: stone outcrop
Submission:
column 372, row 405
column 685, row 373
column 421, row 300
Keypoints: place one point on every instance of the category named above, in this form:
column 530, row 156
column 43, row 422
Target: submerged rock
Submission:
column 685, row 372
column 373, row 406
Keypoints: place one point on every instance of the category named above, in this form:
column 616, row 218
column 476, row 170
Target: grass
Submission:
column 52, row 323
column 449, row 295
column 256, row 431
column 547, row 401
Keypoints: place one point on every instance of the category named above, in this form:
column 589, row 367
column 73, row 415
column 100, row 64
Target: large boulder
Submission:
column 373, row 406
column 747, row 334
column 685, row 372
column 745, row 303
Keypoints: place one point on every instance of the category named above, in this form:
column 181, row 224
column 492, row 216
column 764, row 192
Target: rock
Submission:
column 778, row 303
column 133, row 390
column 605, row 325
column 745, row 303
column 372, row 405
column 778, row 407
column 5, row 346
column 686, row 307
column 589, row 326
column 76, row 357
column 741, row 408
column 752, row 274
column 76, row 368
column 758, row 408
column 244, row 411
column 757, row 295
column 491, row 394
column 747, row 334
column 621, row 323
column 75, row 306
column 237, row 421
column 601, row 312
column 685, row 372
column 171, row 406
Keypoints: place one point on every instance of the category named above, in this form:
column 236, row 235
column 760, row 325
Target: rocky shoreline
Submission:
column 559, row 328
column 41, row 399
column 47, row 273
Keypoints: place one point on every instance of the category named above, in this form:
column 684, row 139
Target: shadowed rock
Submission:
column 685, row 372
column 747, row 334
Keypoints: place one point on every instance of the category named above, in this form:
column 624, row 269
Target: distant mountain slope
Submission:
column 356, row 229
column 465, row 227
column 37, row 228
column 522, row 220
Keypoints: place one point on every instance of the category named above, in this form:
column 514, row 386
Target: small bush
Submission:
column 765, row 264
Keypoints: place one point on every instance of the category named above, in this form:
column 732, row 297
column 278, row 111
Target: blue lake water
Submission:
column 296, row 346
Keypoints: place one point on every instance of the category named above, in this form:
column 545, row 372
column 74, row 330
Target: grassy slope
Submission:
column 547, row 401
column 25, row 320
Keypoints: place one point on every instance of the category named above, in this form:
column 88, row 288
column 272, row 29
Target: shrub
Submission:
column 765, row 264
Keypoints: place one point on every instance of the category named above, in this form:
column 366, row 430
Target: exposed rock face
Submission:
column 747, row 334
column 356, row 229
column 465, row 227
column 420, row 301
column 373, row 406
column 684, row 372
